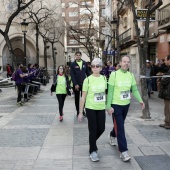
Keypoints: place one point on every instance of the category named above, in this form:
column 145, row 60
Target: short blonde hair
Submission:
column 97, row 60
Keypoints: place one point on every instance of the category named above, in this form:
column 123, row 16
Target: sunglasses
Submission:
column 97, row 66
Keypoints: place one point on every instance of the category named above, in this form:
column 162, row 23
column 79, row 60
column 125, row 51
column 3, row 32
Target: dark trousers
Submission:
column 167, row 112
column 77, row 97
column 20, row 89
column 148, row 82
column 154, row 84
column 61, row 99
column 119, row 116
column 96, row 126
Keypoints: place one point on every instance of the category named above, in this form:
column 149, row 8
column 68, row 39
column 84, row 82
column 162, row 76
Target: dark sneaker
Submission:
column 94, row 157
column 162, row 125
column 20, row 103
column 125, row 157
column 167, row 127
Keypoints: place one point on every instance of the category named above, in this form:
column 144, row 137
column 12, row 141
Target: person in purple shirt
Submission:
column 111, row 67
column 105, row 71
column 19, row 80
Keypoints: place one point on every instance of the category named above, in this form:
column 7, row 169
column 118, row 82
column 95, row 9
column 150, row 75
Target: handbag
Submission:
column 53, row 88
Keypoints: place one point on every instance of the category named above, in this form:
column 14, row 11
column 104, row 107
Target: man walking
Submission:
column 121, row 82
column 166, row 84
column 78, row 71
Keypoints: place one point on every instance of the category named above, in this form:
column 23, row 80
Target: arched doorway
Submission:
column 19, row 56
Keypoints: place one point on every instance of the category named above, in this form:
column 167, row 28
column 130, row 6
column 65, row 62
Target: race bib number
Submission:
column 125, row 95
column 99, row 97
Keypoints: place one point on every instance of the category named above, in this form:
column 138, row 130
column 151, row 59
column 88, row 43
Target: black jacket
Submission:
column 77, row 75
column 68, row 87
column 164, row 92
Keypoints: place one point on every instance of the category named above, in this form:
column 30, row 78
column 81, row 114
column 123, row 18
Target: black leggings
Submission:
column 20, row 89
column 96, row 125
column 61, row 99
column 77, row 97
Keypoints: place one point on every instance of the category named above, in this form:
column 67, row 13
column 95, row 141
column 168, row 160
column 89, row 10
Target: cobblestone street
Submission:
column 31, row 137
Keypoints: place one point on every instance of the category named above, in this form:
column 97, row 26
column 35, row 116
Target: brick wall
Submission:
column 163, row 46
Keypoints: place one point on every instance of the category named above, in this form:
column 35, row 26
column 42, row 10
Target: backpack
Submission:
column 14, row 76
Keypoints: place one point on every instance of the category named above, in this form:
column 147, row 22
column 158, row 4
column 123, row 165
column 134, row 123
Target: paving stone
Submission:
column 7, row 109
column 41, row 109
column 153, row 162
column 33, row 120
column 151, row 150
column 154, row 133
column 22, row 137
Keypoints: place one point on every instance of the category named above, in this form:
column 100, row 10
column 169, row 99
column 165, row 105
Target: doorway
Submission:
column 19, row 56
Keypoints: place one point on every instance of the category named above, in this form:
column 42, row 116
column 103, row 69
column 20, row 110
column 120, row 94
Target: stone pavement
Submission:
column 31, row 137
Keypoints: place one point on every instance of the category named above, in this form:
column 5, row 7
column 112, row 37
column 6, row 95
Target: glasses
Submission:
column 93, row 66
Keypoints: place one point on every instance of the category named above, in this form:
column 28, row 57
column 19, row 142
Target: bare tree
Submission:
column 39, row 13
column 18, row 6
column 51, row 31
column 86, row 36
column 143, row 47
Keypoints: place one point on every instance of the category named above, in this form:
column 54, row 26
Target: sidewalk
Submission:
column 31, row 137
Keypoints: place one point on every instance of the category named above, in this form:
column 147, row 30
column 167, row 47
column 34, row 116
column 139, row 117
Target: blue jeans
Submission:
column 119, row 116
column 148, row 82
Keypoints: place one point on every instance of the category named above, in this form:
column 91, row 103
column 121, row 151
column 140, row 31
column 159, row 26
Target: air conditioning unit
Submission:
column 142, row 31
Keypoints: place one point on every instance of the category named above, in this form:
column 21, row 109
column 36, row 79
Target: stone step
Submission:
column 2, row 87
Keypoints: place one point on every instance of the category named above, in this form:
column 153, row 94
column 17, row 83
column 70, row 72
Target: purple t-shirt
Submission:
column 19, row 80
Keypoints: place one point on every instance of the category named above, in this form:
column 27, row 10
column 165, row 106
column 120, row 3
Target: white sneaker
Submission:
column 113, row 140
column 94, row 157
column 125, row 157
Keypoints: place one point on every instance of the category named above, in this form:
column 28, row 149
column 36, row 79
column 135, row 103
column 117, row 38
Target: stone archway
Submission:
column 19, row 56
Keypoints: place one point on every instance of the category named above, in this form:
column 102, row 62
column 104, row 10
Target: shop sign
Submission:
column 142, row 14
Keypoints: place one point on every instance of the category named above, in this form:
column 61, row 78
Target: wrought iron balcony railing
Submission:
column 164, row 17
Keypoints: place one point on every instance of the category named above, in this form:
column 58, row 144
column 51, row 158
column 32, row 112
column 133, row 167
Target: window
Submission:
column 72, row 41
column 72, row 5
column 73, row 23
column 73, row 50
column 63, row 14
column 63, row 5
column 86, row 3
column 103, row 12
column 73, row 14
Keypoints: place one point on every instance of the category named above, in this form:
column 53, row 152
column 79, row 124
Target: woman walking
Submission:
column 94, row 98
column 61, row 86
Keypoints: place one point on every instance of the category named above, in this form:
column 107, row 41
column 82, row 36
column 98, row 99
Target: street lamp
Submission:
column 24, row 28
column 114, row 23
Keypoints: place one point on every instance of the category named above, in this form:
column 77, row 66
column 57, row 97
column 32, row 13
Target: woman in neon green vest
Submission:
column 61, row 86
column 94, row 98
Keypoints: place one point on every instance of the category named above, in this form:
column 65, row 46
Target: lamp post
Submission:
column 24, row 28
column 114, row 23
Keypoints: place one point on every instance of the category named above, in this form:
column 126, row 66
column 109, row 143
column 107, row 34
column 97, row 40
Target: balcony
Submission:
column 127, row 38
column 164, row 17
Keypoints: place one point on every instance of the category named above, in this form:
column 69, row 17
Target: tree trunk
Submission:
column 37, row 47
column 142, row 58
column 9, row 45
column 45, row 54
column 54, row 59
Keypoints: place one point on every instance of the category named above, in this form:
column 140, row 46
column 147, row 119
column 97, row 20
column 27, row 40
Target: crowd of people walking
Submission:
column 103, row 89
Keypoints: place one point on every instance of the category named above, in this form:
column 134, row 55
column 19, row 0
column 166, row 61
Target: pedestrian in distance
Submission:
column 61, row 87
column 121, row 82
column 94, row 98
column 164, row 93
column 78, row 71
column 19, row 81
